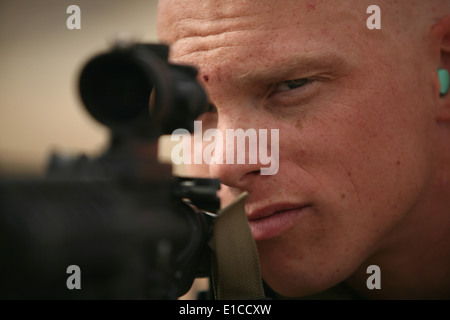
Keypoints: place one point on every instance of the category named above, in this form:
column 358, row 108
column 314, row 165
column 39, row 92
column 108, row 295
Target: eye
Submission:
column 291, row 84
column 209, row 116
column 211, row 108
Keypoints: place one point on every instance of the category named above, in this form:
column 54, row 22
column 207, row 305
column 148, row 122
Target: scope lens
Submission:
column 115, row 88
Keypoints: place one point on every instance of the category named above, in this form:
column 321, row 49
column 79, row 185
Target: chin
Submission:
column 293, row 274
column 294, row 286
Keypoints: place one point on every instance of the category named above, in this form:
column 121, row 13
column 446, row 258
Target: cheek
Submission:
column 365, row 151
column 304, row 263
column 364, row 172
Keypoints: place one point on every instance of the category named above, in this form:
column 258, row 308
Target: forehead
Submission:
column 232, row 38
column 199, row 27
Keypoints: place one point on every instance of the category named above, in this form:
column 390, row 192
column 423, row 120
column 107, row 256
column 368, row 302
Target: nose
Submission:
column 240, row 176
column 237, row 163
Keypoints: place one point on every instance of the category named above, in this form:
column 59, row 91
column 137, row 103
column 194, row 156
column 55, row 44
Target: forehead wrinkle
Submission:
column 191, row 27
column 207, row 44
column 190, row 35
column 207, row 20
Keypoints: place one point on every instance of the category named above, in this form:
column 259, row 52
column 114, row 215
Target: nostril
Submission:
column 248, row 178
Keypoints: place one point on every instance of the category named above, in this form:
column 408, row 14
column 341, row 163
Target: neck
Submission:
column 414, row 258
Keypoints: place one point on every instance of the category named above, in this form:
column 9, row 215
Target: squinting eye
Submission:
column 211, row 108
column 291, row 84
column 209, row 115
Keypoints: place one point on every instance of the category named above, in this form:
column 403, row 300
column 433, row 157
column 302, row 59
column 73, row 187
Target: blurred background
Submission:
column 40, row 61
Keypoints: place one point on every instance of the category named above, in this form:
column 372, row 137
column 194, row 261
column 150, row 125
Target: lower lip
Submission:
column 276, row 224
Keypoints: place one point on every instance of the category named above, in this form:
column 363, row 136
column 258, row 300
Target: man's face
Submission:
column 354, row 156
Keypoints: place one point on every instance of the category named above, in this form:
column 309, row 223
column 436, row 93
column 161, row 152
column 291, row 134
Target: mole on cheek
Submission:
column 311, row 5
column 206, row 78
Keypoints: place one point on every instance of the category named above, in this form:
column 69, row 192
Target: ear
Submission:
column 441, row 34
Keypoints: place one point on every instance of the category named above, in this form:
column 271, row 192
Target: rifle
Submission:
column 133, row 230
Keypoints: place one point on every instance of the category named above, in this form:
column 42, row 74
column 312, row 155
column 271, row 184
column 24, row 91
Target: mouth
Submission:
column 272, row 221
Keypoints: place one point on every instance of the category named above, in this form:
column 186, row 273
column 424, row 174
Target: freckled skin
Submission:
column 361, row 144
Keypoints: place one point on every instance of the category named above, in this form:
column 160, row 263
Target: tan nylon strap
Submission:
column 236, row 272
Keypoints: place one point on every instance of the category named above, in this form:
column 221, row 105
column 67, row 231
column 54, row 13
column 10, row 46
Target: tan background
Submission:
column 40, row 59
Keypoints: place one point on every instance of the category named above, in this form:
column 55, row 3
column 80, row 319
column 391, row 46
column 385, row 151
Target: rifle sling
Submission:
column 236, row 272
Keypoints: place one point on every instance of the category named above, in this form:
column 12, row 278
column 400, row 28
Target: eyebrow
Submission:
column 332, row 63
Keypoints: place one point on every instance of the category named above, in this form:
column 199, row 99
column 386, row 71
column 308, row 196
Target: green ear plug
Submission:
column 444, row 78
